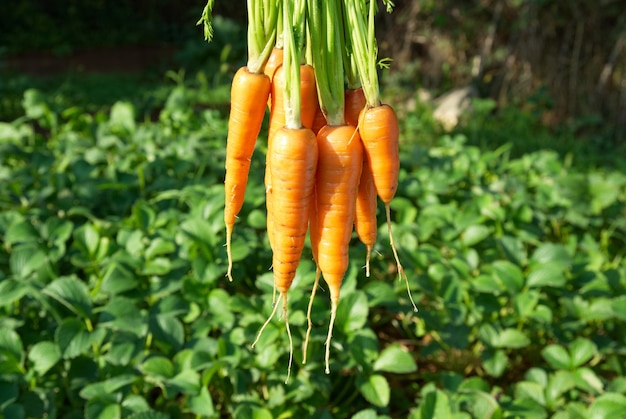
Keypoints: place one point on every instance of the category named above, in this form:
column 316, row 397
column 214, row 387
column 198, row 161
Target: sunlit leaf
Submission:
column 375, row 389
column 395, row 359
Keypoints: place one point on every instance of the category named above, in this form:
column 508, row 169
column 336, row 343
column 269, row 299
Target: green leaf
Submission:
column 159, row 247
column 122, row 117
column 475, row 234
column 248, row 411
column 608, row 406
column 365, row 414
column 530, row 390
column 525, row 303
column 557, row 356
column 487, row 284
column 185, row 382
column 88, row 239
column 202, row 404
column 513, row 249
column 503, row 338
column 57, row 230
column 587, row 380
column 11, row 345
column 375, row 389
column 483, row 405
column 494, row 362
column 144, row 215
column 117, row 279
column 551, row 253
column 72, row 293
column 98, row 409
column 74, row 339
column 135, row 403
column 396, row 360
column 26, row 259
column 435, row 405
column 21, row 231
column 11, row 291
column 549, row 274
column 158, row 366
column 618, row 305
column 44, row 355
column 167, row 329
column 122, row 314
column 558, row 383
column 107, row 387
column 158, row 266
column 605, row 190
column 509, row 274
column 352, row 312
column 581, row 351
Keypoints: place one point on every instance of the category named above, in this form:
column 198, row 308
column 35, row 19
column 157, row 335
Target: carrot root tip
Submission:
column 290, row 338
column 308, row 315
column 229, row 271
column 258, row 336
column 333, row 314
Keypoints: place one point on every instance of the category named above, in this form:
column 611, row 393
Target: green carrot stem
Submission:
column 360, row 25
column 325, row 32
column 293, row 38
column 262, row 19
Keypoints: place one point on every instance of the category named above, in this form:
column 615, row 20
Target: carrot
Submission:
column 274, row 61
column 249, row 92
column 380, row 135
column 365, row 216
column 292, row 161
column 339, row 169
column 319, row 120
column 309, row 106
column 308, row 96
column 355, row 102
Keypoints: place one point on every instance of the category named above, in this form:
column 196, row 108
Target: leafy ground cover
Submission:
column 113, row 300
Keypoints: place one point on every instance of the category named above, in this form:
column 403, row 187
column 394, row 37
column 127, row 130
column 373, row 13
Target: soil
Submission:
column 100, row 60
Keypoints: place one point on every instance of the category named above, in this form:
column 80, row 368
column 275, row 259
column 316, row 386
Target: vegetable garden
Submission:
column 115, row 299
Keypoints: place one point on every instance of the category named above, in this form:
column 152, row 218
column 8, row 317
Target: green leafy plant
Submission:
column 114, row 301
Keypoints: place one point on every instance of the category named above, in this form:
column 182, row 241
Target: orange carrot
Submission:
column 380, row 134
column 293, row 162
column 274, row 61
column 338, row 172
column 319, row 121
column 365, row 217
column 249, row 92
column 309, row 105
column 308, row 96
column 354, row 104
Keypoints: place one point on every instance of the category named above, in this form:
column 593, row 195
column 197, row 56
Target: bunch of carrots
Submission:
column 332, row 145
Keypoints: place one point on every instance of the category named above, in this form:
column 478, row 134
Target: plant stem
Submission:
column 325, row 32
column 293, row 38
